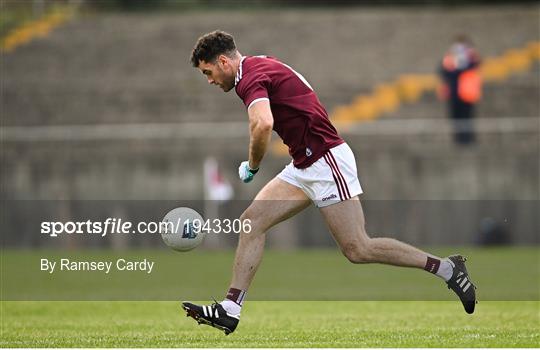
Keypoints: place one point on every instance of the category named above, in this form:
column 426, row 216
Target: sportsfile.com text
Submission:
column 120, row 226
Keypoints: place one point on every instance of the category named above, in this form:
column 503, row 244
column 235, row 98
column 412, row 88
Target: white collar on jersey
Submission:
column 239, row 73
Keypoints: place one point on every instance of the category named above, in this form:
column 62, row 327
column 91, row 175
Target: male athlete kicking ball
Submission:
column 323, row 171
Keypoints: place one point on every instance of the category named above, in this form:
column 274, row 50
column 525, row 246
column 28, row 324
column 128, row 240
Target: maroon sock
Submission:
column 432, row 265
column 236, row 295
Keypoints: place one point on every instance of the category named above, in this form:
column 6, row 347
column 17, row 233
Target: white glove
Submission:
column 245, row 172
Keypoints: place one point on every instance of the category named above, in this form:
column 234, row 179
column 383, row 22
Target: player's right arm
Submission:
column 253, row 90
column 261, row 123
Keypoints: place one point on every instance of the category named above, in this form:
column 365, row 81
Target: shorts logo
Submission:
column 308, row 152
column 332, row 196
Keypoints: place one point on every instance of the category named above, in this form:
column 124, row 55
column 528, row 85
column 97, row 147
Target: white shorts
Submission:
column 331, row 179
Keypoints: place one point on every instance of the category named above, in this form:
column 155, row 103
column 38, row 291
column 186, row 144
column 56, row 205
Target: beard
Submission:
column 228, row 84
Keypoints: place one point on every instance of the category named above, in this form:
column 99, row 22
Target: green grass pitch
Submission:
column 364, row 306
column 272, row 324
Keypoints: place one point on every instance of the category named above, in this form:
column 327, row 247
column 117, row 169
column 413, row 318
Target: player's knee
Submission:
column 251, row 221
column 357, row 253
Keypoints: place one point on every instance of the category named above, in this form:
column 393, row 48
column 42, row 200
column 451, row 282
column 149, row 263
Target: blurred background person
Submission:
column 462, row 87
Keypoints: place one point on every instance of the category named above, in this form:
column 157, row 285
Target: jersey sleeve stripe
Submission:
column 257, row 100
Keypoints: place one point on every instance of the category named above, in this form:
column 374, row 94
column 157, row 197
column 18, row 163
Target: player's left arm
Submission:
column 261, row 123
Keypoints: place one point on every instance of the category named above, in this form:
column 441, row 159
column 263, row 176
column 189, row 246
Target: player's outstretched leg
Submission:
column 276, row 202
column 347, row 224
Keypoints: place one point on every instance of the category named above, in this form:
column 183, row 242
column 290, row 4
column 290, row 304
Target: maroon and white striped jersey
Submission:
column 299, row 117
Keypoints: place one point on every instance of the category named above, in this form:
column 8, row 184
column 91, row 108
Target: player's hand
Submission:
column 245, row 173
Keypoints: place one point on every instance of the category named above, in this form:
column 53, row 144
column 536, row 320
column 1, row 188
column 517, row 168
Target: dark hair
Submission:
column 211, row 45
